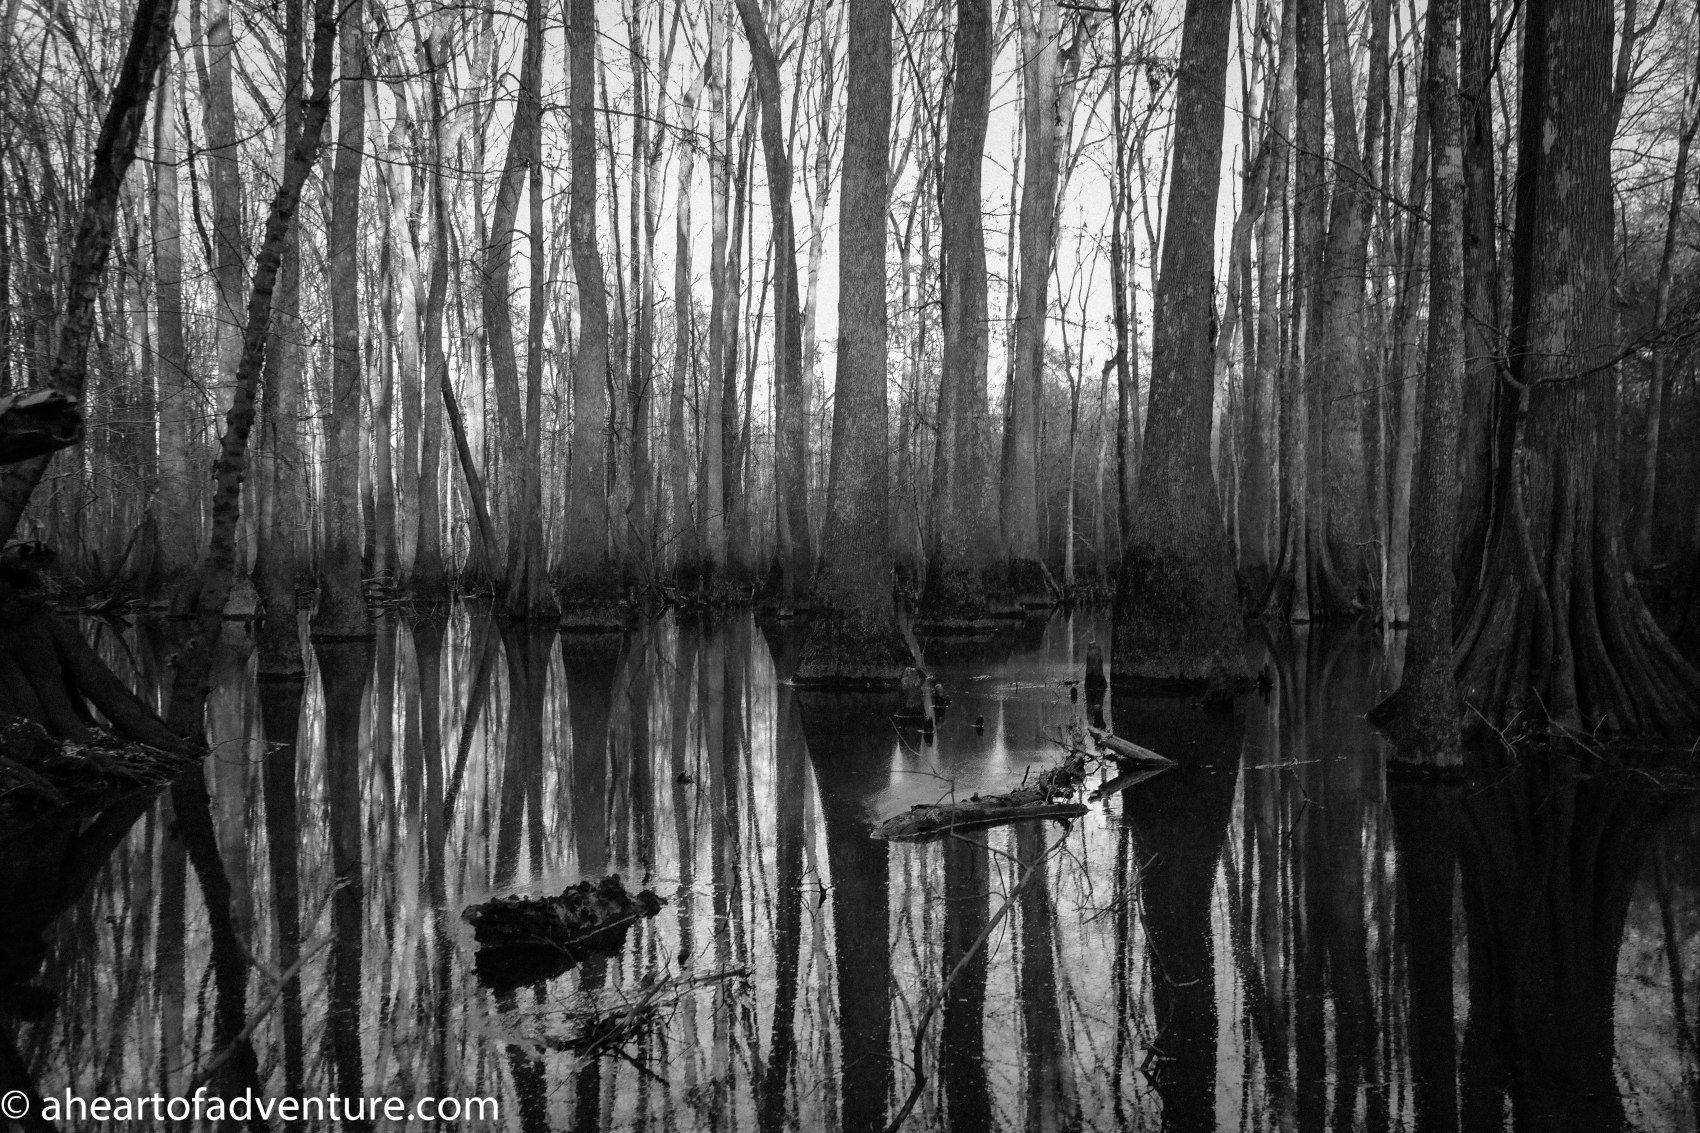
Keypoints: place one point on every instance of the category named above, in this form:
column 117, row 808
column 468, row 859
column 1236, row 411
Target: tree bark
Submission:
column 1342, row 574
column 1487, row 426
column 590, row 575
column 679, row 522
column 342, row 602
column 1261, row 511
column 178, row 505
column 428, row 575
column 1176, row 616
column 709, row 536
column 1557, row 639
column 1422, row 714
column 1658, row 381
column 282, row 471
column 854, row 637
column 1041, row 33
column 791, row 457
column 963, row 558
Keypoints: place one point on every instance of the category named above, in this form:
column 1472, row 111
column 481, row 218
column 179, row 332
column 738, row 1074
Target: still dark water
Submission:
column 1272, row 935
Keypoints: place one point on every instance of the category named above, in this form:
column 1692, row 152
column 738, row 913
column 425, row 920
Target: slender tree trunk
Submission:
column 282, row 455
column 963, row 558
column 855, row 641
column 1041, row 34
column 1177, row 616
column 590, row 575
column 178, row 506
column 1262, row 514
column 710, row 533
column 679, row 522
column 224, row 184
column 1423, row 713
column 500, row 252
column 342, row 603
column 1487, row 426
column 1658, row 381
column 791, row 456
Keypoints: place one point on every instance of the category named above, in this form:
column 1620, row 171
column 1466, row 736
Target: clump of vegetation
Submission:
column 527, row 940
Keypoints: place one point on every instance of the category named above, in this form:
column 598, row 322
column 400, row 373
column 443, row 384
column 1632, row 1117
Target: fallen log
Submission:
column 927, row 822
column 1126, row 751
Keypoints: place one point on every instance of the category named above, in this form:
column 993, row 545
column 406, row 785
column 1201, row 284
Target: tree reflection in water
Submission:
column 1262, row 937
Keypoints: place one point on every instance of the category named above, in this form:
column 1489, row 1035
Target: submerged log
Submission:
column 1126, row 751
column 1054, row 794
column 527, row 940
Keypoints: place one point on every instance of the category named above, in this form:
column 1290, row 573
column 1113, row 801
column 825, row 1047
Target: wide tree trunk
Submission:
column 342, row 602
column 1342, row 564
column 1557, row 638
column 854, row 639
column 1177, row 616
column 963, row 557
column 590, row 578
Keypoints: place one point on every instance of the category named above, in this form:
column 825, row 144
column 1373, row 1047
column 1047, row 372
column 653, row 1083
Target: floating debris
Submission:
column 1042, row 797
column 926, row 822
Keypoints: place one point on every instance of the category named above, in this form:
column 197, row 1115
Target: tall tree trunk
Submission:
column 1487, row 427
column 590, row 575
column 1658, row 380
column 1339, row 505
column 710, row 530
column 1292, row 596
column 1177, row 616
column 963, row 556
column 500, row 251
column 791, row 453
column 178, row 506
column 1423, row 713
column 282, row 456
column 1557, row 636
column 1041, row 33
column 679, row 522
column 428, row 575
column 1261, row 513
column 854, row 638
column 342, row 603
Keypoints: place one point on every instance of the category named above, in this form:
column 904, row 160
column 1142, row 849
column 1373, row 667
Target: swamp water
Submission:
column 1273, row 934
